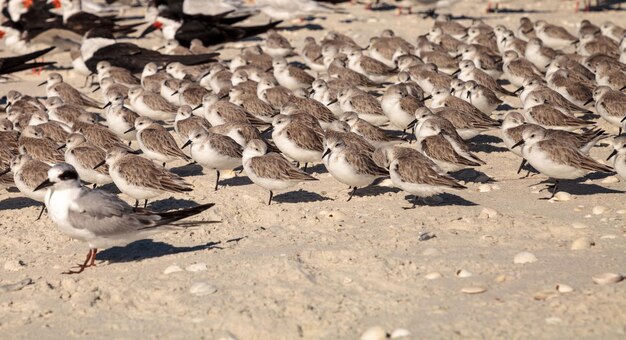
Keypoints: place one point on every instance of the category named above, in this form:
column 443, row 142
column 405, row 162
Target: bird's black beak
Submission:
column 44, row 184
column 311, row 91
column 268, row 130
column 468, row 94
column 327, row 152
column 518, row 144
column 197, row 107
column 43, row 83
column 107, row 105
column 174, row 93
column 503, row 40
column 451, row 91
column 5, row 172
column 100, row 164
column 129, row 130
column 7, row 106
column 332, row 102
column 521, row 88
column 623, row 119
column 160, row 48
column 612, row 154
column 148, row 30
column 427, row 97
column 458, row 56
column 623, row 88
column 61, row 147
column 223, row 96
column 412, row 124
column 96, row 89
column 456, row 72
column 548, row 65
column 588, row 101
column 187, row 143
column 575, row 42
column 269, row 69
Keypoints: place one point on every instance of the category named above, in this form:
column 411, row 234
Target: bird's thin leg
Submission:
column 271, row 196
column 217, row 180
column 351, row 194
column 92, row 263
column 556, row 188
column 297, row 164
column 620, row 131
column 164, row 164
column 130, row 142
column 414, row 203
column 82, row 267
column 94, row 186
column 43, row 208
column 521, row 166
column 145, row 204
column 136, row 203
column 305, row 166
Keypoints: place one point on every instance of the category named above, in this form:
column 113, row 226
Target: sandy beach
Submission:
column 314, row 266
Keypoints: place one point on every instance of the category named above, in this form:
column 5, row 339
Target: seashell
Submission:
column 484, row 188
column 202, row 288
column 474, row 290
column 433, row 276
column 582, row 243
column 562, row 196
column 488, row 213
column 544, row 295
column 400, row 333
column 607, row 278
column 599, row 210
column 374, row 333
column 172, row 269
column 196, row 267
column 462, row 273
column 563, row 288
column 524, row 257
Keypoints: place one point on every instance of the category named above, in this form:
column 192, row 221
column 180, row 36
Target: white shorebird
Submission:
column 100, row 218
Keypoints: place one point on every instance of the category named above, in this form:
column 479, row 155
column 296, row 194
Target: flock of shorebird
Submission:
column 350, row 108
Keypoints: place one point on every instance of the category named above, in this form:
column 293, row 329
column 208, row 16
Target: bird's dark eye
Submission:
column 531, row 136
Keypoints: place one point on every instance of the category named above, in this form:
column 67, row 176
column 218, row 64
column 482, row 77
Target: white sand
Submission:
column 315, row 266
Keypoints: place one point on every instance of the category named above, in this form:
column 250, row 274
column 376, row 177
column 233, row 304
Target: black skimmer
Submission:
column 21, row 62
column 99, row 45
column 209, row 32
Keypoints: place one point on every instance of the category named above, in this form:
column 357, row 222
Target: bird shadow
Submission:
column 236, row 181
column 171, row 203
column 300, row 196
column 580, row 189
column 485, row 143
column 472, row 175
column 374, row 190
column 186, row 170
column 447, row 200
column 317, row 169
column 147, row 249
column 15, row 203
column 309, row 26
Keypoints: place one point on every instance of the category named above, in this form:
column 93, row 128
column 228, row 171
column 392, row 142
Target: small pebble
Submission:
column 488, row 213
column 608, row 237
column 578, row 225
column 563, row 288
column 433, row 276
column 524, row 257
column 621, row 211
column 462, row 273
column 553, row 320
column 582, row 243
column 196, row 267
column 473, row 290
column 599, row 210
column 425, row 236
column 400, row 333
column 172, row 269
column 484, row 188
column 544, row 295
column 14, row 265
column 562, row 196
column 374, row 333
column 607, row 278
column 202, row 288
